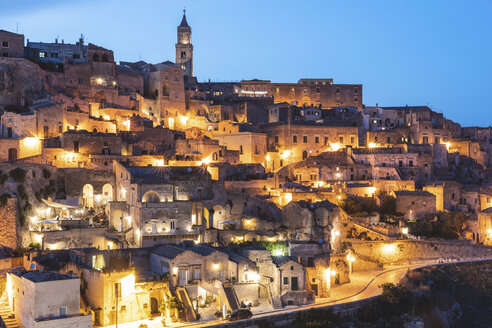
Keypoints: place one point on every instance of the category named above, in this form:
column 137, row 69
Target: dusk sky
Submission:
column 434, row 53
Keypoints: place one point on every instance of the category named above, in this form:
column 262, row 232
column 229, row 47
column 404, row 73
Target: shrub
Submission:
column 3, row 178
column 18, row 174
column 27, row 208
column 4, row 198
column 46, row 174
column 21, row 191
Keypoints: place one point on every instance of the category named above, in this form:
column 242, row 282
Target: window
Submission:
column 338, row 91
column 63, row 311
column 54, row 55
column 41, row 54
column 341, row 139
column 76, row 56
column 81, row 80
column 410, row 163
column 5, row 44
column 241, row 149
column 276, row 139
column 326, row 140
column 352, row 140
column 316, row 139
column 425, row 140
column 286, row 280
column 294, row 139
column 304, row 139
column 388, row 139
column 183, row 54
column 173, row 225
column 400, row 163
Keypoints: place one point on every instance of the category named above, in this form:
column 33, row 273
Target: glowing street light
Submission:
column 404, row 231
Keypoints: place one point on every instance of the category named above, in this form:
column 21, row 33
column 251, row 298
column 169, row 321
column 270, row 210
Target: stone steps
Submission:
column 8, row 317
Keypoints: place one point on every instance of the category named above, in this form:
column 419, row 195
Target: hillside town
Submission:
column 135, row 193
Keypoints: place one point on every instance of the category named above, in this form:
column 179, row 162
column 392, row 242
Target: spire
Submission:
column 184, row 23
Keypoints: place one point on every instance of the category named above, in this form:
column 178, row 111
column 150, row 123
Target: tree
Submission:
column 174, row 304
column 388, row 205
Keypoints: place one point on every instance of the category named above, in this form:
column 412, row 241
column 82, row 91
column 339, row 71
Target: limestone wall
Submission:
column 9, row 224
column 411, row 251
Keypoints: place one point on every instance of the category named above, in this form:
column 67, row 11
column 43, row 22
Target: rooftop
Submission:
column 42, row 276
column 413, row 193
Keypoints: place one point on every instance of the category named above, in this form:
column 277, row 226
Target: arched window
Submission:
column 304, row 155
column 107, row 192
column 95, row 57
column 151, row 197
column 88, row 196
column 165, row 90
column 105, row 58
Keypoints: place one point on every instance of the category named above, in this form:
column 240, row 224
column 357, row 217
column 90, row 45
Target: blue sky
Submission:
column 435, row 53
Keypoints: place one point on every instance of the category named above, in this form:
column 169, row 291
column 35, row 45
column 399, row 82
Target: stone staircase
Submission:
column 7, row 317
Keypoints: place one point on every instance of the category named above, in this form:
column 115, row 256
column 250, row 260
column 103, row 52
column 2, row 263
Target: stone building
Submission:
column 414, row 204
column 11, row 44
column 447, row 194
column 159, row 204
column 297, row 141
column 36, row 300
column 485, row 226
column 57, row 52
column 306, row 92
column 251, row 146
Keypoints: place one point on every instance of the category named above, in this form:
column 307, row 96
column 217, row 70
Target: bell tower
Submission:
column 184, row 48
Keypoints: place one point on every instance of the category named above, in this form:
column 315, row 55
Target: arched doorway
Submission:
column 165, row 90
column 88, row 196
column 305, row 101
column 107, row 193
column 154, row 306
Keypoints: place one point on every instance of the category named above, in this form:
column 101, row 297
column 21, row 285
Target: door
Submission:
column 9, row 132
column 154, row 308
column 183, row 279
column 314, row 288
column 294, row 284
column 12, row 154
